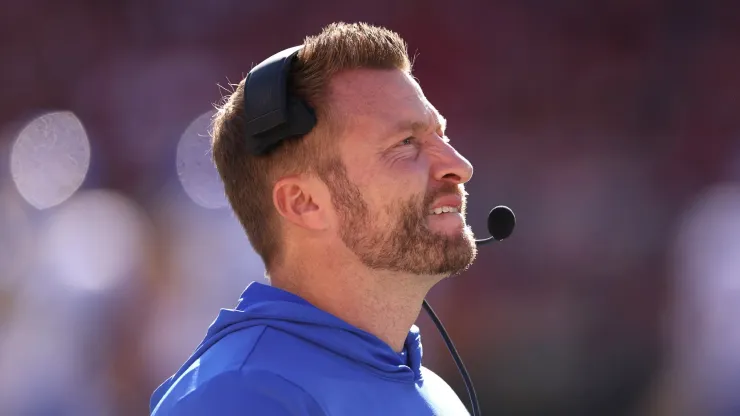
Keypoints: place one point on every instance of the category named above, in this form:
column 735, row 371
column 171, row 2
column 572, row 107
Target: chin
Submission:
column 458, row 260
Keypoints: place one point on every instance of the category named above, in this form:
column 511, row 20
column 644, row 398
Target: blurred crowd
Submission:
column 611, row 128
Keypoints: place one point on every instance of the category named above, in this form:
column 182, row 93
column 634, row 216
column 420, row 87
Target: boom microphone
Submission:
column 501, row 222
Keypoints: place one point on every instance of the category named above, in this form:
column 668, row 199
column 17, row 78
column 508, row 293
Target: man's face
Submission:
column 395, row 167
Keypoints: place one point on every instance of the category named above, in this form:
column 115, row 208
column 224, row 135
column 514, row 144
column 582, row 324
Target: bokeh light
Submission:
column 708, row 265
column 195, row 168
column 95, row 239
column 709, row 253
column 50, row 159
column 204, row 244
column 16, row 239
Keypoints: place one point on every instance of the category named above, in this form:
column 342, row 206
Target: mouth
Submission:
column 445, row 209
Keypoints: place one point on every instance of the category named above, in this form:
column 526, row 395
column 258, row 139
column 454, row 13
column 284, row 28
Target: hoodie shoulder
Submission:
column 218, row 380
column 245, row 392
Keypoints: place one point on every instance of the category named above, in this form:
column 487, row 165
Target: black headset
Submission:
column 273, row 114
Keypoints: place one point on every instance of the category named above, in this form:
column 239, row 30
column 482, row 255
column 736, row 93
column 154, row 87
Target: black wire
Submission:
column 456, row 357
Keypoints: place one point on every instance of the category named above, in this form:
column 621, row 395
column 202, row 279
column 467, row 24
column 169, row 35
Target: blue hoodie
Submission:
column 278, row 355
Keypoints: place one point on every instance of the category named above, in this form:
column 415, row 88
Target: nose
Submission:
column 451, row 166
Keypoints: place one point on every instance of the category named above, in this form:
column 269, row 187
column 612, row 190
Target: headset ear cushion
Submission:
column 301, row 118
column 272, row 114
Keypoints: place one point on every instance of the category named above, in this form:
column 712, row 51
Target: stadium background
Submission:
column 611, row 128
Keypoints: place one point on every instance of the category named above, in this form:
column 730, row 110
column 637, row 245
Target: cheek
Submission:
column 411, row 176
column 388, row 191
column 394, row 198
column 408, row 187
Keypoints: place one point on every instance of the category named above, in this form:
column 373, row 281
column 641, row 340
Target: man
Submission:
column 355, row 221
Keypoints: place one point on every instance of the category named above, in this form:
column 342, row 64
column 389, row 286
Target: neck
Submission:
column 385, row 304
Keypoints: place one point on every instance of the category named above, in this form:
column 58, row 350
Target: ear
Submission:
column 301, row 200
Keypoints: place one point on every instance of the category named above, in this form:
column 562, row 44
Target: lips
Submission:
column 454, row 201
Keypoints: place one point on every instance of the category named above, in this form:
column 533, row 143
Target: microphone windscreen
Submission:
column 501, row 222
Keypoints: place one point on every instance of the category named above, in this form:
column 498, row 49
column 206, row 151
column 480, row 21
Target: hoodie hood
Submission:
column 263, row 305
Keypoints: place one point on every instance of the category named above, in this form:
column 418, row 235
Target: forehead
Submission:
column 378, row 100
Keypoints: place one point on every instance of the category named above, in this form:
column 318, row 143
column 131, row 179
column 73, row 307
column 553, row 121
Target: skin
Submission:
column 359, row 240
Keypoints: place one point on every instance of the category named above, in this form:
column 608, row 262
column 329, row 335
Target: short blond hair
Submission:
column 248, row 179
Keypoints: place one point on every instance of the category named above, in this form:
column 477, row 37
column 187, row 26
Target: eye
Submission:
column 408, row 141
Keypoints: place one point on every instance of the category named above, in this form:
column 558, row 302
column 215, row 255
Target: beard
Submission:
column 407, row 244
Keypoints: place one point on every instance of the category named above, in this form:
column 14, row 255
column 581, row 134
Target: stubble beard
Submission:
column 407, row 245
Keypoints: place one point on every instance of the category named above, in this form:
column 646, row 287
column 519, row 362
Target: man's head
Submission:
column 368, row 175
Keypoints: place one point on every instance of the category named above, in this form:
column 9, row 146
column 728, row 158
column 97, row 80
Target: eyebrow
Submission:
column 417, row 126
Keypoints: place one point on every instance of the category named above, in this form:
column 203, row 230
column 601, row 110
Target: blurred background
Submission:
column 612, row 128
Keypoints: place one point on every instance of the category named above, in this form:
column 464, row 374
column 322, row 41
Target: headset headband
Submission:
column 272, row 113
